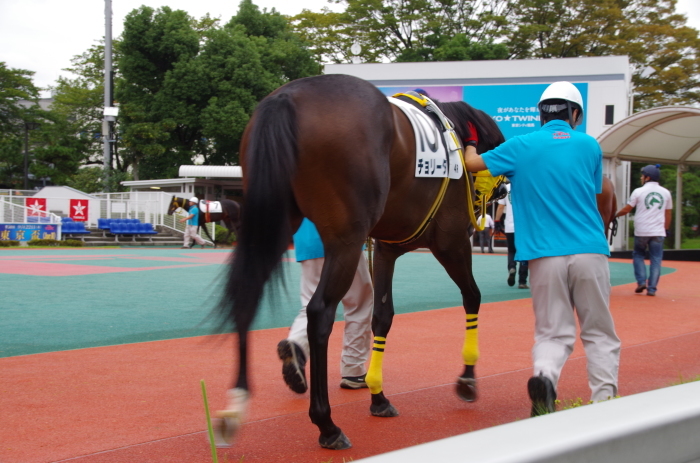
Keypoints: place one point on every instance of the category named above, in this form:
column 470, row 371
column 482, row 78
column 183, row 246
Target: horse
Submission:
column 231, row 215
column 607, row 207
column 333, row 149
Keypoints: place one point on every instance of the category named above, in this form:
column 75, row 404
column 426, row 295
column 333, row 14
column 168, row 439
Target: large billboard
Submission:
column 513, row 107
column 27, row 231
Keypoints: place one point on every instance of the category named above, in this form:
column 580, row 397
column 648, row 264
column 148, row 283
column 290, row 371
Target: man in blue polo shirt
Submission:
column 565, row 246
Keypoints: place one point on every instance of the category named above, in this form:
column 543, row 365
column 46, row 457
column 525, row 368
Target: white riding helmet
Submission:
column 562, row 91
column 194, row 199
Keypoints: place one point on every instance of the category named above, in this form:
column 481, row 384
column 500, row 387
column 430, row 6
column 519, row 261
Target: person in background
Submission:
column 358, row 304
column 485, row 234
column 191, row 225
column 505, row 205
column 652, row 219
column 566, row 248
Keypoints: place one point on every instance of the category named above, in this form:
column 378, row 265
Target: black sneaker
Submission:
column 542, row 395
column 511, row 277
column 293, row 364
column 640, row 288
column 353, row 382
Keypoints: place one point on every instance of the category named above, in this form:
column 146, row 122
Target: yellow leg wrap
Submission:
column 374, row 375
column 470, row 351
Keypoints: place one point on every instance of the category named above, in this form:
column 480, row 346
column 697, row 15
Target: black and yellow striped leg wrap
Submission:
column 470, row 350
column 374, row 375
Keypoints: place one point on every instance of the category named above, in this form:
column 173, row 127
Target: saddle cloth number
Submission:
column 431, row 155
column 210, row 206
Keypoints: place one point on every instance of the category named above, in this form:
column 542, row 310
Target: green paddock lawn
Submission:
column 51, row 313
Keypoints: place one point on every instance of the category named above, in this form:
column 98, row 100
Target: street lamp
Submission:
column 27, row 127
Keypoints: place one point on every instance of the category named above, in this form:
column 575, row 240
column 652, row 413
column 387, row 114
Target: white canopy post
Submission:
column 679, row 204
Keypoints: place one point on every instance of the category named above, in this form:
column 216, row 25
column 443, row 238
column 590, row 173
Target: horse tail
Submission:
column 265, row 231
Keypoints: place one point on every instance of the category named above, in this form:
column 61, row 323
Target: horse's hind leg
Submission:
column 336, row 278
column 458, row 264
column 384, row 261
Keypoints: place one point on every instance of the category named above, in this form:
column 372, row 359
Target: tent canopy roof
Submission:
column 666, row 135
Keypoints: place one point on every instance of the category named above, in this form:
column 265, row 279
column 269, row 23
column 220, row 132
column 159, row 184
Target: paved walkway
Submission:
column 141, row 401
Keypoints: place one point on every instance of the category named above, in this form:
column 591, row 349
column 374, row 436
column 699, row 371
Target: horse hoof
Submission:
column 466, row 389
column 339, row 443
column 385, row 410
column 225, row 430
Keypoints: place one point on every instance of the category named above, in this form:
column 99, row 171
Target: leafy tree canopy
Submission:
column 188, row 87
column 15, row 85
column 407, row 30
column 650, row 32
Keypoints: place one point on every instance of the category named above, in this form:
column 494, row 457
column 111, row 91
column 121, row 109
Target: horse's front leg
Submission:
column 336, row 277
column 458, row 264
column 384, row 262
column 230, row 419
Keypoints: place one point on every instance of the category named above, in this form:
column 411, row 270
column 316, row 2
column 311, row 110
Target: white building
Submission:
column 508, row 90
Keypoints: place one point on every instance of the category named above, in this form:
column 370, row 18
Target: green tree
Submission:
column 80, row 100
column 187, row 87
column 15, row 85
column 153, row 124
column 650, row 32
column 408, row 30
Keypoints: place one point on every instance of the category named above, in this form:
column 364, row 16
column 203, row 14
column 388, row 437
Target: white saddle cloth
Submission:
column 431, row 155
column 210, row 207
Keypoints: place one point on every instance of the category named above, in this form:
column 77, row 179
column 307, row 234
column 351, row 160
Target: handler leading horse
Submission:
column 333, row 149
column 230, row 215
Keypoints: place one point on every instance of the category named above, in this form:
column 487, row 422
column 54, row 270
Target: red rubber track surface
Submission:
column 142, row 402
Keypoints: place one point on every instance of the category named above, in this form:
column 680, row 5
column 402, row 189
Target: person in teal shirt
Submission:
column 192, row 224
column 358, row 304
column 555, row 173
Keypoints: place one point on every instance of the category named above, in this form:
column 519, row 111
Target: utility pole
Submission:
column 110, row 112
column 26, row 155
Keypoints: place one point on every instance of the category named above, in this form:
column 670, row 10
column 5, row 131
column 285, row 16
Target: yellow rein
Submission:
column 478, row 225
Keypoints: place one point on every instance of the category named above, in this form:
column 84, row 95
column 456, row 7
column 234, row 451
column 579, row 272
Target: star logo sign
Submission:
column 79, row 208
column 36, row 209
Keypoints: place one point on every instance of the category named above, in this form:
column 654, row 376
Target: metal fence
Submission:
column 13, row 210
column 148, row 207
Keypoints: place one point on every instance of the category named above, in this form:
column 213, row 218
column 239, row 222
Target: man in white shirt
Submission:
column 485, row 234
column 651, row 221
column 506, row 205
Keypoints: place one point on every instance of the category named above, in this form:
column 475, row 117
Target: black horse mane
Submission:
column 460, row 113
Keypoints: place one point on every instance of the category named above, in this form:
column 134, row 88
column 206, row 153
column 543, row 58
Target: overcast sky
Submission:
column 43, row 35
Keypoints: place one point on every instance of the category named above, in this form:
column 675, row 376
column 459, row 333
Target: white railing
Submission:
column 661, row 426
column 148, row 207
column 13, row 210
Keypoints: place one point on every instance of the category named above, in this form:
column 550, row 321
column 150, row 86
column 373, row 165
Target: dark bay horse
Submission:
column 231, row 215
column 333, row 149
column 607, row 207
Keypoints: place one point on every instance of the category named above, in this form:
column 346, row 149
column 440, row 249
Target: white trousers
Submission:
column 581, row 283
column 357, row 309
column 191, row 233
